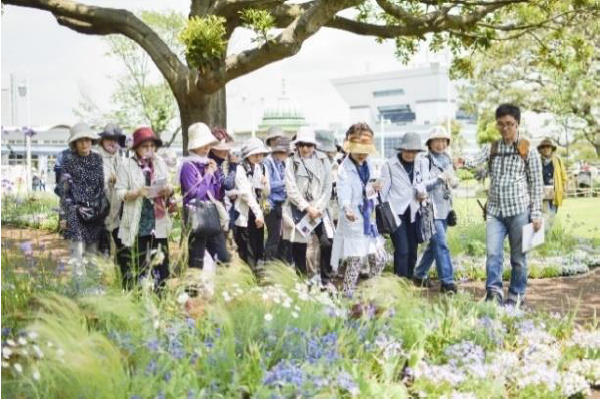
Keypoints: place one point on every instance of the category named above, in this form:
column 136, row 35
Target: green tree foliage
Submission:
column 203, row 38
column 199, row 84
column 259, row 21
column 142, row 96
column 553, row 70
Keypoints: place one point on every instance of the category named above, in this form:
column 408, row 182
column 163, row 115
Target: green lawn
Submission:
column 579, row 216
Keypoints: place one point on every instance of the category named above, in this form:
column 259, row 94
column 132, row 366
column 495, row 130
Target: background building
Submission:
column 414, row 100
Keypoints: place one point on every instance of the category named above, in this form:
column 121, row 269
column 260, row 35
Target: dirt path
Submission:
column 559, row 294
column 553, row 294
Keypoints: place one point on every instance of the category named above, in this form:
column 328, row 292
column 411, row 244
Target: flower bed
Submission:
column 78, row 335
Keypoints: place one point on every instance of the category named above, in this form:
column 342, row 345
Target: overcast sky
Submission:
column 57, row 62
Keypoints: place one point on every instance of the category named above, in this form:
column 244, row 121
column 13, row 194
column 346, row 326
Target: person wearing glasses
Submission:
column 308, row 187
column 514, row 200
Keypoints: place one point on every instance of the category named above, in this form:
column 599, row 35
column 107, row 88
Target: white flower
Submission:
column 583, row 339
column 155, row 324
column 22, row 341
column 36, row 374
column 287, row 304
column 226, row 296
column 573, row 384
column 5, row 364
column 6, row 352
column 50, row 344
column 182, row 298
column 294, row 315
column 18, row 367
column 588, row 368
column 38, row 351
column 11, row 342
column 265, row 296
column 32, row 335
column 268, row 317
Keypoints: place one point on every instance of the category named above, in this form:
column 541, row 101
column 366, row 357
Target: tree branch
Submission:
column 286, row 44
column 94, row 20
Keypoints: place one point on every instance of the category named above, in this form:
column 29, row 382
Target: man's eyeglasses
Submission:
column 305, row 144
column 508, row 125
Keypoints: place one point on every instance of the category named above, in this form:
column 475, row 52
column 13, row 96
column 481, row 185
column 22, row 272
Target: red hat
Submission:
column 143, row 134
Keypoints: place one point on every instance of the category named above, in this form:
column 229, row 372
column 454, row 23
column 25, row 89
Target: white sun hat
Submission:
column 200, row 135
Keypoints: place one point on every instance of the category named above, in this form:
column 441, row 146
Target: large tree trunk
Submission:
column 198, row 107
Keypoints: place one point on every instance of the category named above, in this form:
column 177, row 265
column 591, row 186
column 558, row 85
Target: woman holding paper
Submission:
column 143, row 186
column 308, row 187
column 356, row 239
column 252, row 184
column 201, row 180
column 439, row 184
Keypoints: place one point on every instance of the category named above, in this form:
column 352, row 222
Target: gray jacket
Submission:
column 438, row 190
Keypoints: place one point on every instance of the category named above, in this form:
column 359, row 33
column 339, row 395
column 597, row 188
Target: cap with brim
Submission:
column 274, row 132
column 410, row 142
column 325, row 141
column 199, row 135
column 254, row 146
column 305, row 135
column 81, row 131
column 281, row 144
column 111, row 132
column 438, row 132
column 225, row 142
column 143, row 134
column 360, row 143
column 547, row 143
column 223, row 146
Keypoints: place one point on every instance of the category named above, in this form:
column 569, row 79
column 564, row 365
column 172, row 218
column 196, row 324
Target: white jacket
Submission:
column 110, row 165
column 246, row 198
column 350, row 238
column 397, row 187
column 130, row 177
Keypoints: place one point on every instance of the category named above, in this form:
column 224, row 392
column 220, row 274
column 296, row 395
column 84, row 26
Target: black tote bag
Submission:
column 384, row 217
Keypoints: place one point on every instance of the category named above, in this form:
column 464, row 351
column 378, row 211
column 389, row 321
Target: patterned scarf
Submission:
column 147, row 167
column 368, row 205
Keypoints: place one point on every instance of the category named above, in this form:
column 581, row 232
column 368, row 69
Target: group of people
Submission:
column 317, row 199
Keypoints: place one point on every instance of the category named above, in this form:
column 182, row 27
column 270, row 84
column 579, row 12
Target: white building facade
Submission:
column 414, row 100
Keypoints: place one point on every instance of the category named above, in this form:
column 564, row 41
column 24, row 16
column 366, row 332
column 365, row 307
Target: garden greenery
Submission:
column 277, row 337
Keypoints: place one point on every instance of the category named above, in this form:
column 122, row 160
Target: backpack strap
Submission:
column 493, row 154
column 523, row 150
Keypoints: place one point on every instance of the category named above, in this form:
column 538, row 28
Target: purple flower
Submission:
column 27, row 248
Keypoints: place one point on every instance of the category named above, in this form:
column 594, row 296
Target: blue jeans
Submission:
column 496, row 230
column 437, row 250
column 405, row 246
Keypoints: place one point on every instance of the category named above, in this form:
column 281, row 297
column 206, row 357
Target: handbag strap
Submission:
column 195, row 184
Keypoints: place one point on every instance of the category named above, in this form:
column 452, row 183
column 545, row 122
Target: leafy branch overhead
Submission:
column 204, row 40
column 282, row 26
column 260, row 21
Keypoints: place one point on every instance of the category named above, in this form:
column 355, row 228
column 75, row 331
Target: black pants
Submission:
column 405, row 246
column 299, row 254
column 104, row 242
column 139, row 259
column 122, row 258
column 250, row 241
column 273, row 247
column 215, row 245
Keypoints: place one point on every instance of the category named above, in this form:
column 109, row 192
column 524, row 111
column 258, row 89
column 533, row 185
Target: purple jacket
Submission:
column 195, row 183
